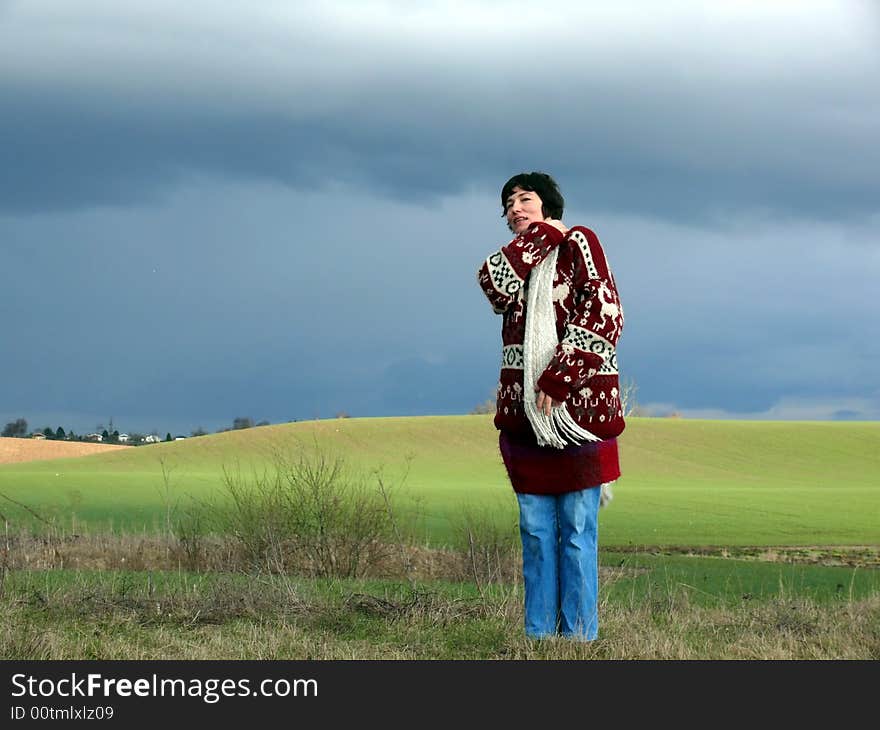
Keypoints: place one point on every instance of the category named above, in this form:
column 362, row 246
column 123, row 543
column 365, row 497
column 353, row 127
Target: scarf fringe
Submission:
column 558, row 429
column 539, row 345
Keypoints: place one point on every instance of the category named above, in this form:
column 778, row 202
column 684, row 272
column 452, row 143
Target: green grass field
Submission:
column 685, row 482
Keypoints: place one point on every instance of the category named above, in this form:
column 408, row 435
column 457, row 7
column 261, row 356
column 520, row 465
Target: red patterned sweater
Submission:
column 589, row 319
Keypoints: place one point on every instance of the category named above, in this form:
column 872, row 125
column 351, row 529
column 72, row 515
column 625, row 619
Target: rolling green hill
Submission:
column 685, row 482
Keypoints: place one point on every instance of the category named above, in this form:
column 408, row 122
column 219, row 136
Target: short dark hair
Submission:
column 540, row 183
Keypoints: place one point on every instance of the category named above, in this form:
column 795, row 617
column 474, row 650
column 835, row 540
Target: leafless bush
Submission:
column 489, row 551
column 307, row 513
column 191, row 540
column 628, row 403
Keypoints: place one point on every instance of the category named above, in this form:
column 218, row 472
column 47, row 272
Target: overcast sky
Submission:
column 276, row 210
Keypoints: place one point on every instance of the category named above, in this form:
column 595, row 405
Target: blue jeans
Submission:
column 560, row 563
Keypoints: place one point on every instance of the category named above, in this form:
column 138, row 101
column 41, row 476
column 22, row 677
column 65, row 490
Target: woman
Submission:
column 558, row 409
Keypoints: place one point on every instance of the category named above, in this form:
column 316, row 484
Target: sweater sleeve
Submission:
column 588, row 347
column 504, row 272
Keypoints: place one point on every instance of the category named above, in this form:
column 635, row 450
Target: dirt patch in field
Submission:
column 851, row 556
column 13, row 450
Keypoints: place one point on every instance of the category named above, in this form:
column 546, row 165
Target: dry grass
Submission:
column 153, row 610
column 476, row 563
column 15, row 450
column 247, row 617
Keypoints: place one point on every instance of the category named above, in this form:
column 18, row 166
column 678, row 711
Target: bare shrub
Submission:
column 253, row 519
column 488, row 551
column 628, row 404
column 307, row 513
column 189, row 528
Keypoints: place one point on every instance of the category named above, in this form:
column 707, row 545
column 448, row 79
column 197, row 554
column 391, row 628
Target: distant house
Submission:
column 38, row 435
column 123, row 438
column 180, row 438
column 152, row 439
column 93, row 437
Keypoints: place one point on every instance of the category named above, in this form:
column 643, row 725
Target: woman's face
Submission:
column 523, row 209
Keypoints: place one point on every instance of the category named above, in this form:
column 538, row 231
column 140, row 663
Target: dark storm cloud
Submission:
column 243, row 300
column 694, row 134
column 756, row 314
column 63, row 154
column 277, row 210
column 259, row 301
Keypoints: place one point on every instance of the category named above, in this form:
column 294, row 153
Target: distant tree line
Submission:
column 110, row 435
column 242, row 422
column 16, row 429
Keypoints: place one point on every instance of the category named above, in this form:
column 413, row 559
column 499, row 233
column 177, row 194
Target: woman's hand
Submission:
column 545, row 403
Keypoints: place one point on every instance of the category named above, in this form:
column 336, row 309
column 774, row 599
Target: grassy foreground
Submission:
column 697, row 483
column 121, row 615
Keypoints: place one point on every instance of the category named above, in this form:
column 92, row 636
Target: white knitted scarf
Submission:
column 558, row 429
